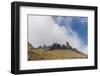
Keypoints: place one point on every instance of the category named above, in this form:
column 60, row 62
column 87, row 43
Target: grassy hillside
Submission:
column 46, row 54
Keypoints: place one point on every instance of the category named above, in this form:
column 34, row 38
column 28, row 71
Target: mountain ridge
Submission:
column 55, row 51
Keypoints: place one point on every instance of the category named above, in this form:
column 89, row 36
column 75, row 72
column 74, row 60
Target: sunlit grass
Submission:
column 44, row 54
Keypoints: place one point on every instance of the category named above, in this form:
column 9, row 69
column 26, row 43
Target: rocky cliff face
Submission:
column 55, row 46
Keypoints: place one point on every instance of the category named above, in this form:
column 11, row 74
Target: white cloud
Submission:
column 43, row 30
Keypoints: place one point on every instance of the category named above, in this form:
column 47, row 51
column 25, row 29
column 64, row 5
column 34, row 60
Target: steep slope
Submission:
column 46, row 54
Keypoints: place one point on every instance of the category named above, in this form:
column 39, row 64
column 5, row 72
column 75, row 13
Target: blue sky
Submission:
column 77, row 24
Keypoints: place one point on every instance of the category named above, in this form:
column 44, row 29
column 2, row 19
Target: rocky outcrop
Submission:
column 55, row 51
column 57, row 46
column 30, row 47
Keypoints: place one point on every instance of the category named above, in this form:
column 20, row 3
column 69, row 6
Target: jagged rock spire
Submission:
column 68, row 45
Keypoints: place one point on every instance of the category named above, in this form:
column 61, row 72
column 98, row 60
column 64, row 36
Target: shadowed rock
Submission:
column 64, row 47
column 69, row 47
column 40, row 47
column 55, row 46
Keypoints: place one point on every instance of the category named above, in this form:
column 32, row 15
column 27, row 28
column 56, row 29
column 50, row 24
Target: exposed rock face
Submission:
column 64, row 46
column 40, row 47
column 55, row 46
column 68, row 45
column 30, row 47
column 58, row 46
column 44, row 46
column 74, row 49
